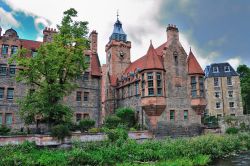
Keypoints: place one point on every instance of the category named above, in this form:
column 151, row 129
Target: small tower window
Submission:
column 176, row 62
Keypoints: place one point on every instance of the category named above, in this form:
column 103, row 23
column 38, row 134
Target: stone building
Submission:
column 223, row 92
column 165, row 86
column 89, row 88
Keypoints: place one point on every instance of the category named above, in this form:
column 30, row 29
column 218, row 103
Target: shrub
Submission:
column 86, row 124
column 4, row 130
column 117, row 134
column 60, row 131
column 112, row 121
column 94, row 130
column 211, row 121
column 232, row 130
column 127, row 116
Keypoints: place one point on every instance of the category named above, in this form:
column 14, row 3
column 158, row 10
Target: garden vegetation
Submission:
column 183, row 151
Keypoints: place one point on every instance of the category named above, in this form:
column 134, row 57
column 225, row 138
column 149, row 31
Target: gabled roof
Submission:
column 112, row 79
column 30, row 44
column 95, row 65
column 149, row 61
column 221, row 70
column 159, row 50
column 193, row 65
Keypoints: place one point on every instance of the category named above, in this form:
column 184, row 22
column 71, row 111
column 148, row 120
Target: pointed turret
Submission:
column 152, row 61
column 193, row 65
column 118, row 33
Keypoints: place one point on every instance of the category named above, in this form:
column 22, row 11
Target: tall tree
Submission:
column 52, row 72
column 244, row 72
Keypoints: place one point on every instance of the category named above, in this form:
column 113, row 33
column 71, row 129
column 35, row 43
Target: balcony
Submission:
column 153, row 105
column 199, row 104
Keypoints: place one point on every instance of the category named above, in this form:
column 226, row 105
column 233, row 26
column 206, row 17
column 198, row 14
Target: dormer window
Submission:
column 215, row 69
column 227, row 68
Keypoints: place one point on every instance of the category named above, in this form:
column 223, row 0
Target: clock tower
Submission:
column 117, row 51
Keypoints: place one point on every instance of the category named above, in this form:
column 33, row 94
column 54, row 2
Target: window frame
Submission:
column 227, row 68
column 8, row 96
column 85, row 96
column 78, row 95
column 215, row 69
column 3, row 51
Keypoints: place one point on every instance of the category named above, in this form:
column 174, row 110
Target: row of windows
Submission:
column 84, row 77
column 150, row 83
column 220, row 115
column 218, row 105
column 10, row 93
column 172, row 115
column 7, row 70
column 130, row 90
column 6, row 118
column 5, row 49
column 216, row 81
column 80, row 116
column 79, row 96
column 218, row 94
column 194, row 88
column 216, row 69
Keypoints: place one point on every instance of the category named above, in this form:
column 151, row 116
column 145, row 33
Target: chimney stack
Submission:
column 48, row 34
column 0, row 31
column 93, row 41
column 172, row 32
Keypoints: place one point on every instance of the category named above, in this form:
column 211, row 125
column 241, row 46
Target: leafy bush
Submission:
column 127, row 116
column 94, row 130
column 60, row 131
column 4, row 130
column 86, row 124
column 117, row 134
column 182, row 151
column 232, row 130
column 112, row 121
column 211, row 121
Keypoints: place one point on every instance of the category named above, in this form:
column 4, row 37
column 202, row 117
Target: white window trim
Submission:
column 216, row 68
column 228, row 68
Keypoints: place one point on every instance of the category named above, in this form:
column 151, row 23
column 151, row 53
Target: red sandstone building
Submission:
column 165, row 86
column 89, row 84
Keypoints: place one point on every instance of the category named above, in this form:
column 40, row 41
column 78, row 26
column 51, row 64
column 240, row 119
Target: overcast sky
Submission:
column 217, row 30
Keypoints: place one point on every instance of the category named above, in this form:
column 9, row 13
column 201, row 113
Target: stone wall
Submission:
column 231, row 121
column 46, row 140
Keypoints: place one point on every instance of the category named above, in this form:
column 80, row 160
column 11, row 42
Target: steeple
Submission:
column 118, row 33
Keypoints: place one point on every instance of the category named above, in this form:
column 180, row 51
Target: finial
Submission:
column 150, row 41
column 190, row 49
column 117, row 14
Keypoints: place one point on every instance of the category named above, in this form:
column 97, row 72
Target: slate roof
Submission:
column 118, row 33
column 221, row 73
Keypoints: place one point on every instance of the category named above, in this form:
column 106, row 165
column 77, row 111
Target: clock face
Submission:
column 121, row 54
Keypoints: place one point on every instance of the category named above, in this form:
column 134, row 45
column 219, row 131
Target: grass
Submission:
column 174, row 152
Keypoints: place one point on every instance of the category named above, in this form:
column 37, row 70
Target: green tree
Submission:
column 127, row 116
column 244, row 72
column 86, row 124
column 52, row 72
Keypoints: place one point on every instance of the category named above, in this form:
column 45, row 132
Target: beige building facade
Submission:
column 223, row 93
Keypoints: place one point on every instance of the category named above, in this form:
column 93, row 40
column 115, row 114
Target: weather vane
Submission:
column 117, row 14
